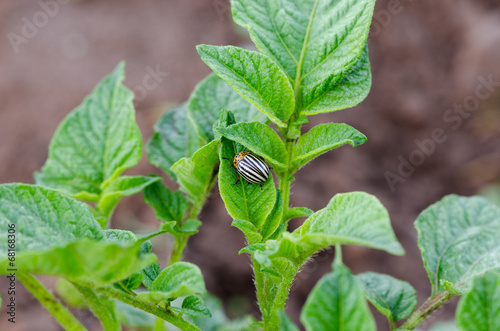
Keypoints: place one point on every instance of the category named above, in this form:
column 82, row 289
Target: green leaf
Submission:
column 289, row 246
column 273, row 220
column 249, row 230
column 95, row 143
column 219, row 320
column 349, row 92
column 177, row 280
column 226, row 119
column 295, row 212
column 352, row 218
column 130, row 283
column 337, row 302
column 285, row 323
column 169, row 206
column 210, row 96
column 317, row 43
column 175, row 137
column 458, row 238
column 243, row 201
column 196, row 175
column 323, row 138
column 133, row 317
column 85, row 261
column 188, row 227
column 479, row 309
column 120, row 237
column 120, row 187
column 256, row 77
column 260, row 139
column 193, row 305
column 69, row 294
column 394, row 298
column 44, row 218
column 59, row 236
column 151, row 272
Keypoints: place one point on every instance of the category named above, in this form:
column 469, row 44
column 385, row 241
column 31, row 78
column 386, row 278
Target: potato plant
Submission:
column 312, row 59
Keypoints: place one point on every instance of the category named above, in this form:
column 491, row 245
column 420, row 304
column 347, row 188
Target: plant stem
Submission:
column 427, row 308
column 103, row 307
column 259, row 286
column 173, row 319
column 273, row 322
column 284, row 180
column 53, row 305
column 392, row 324
column 179, row 245
column 180, row 241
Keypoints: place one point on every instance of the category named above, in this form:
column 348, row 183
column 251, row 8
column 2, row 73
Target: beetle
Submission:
column 251, row 167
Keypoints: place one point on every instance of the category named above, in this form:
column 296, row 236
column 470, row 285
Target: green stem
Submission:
column 170, row 317
column 273, row 322
column 392, row 324
column 103, row 307
column 260, row 285
column 427, row 308
column 53, row 305
column 179, row 245
column 284, row 178
column 180, row 241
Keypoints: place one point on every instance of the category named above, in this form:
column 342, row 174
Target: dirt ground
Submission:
column 428, row 58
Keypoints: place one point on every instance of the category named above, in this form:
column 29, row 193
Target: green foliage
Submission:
column 260, row 139
column 169, row 206
column 479, row 309
column 69, row 294
column 175, row 137
column 120, row 187
column 323, row 138
column 55, row 229
column 151, row 272
column 256, row 77
column 352, row 218
column 95, row 143
column 247, row 202
column 195, row 175
column 210, row 96
column 177, row 280
column 451, row 227
column 394, row 298
column 337, row 302
column 316, row 43
column 313, row 59
column 285, row 323
column 193, row 305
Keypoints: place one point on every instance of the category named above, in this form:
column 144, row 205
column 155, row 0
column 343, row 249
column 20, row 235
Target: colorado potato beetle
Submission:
column 251, row 167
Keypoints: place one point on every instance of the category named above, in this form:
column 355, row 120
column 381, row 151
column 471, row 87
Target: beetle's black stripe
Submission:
column 255, row 165
column 259, row 163
column 253, row 169
column 251, row 172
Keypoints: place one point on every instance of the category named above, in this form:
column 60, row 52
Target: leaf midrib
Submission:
column 303, row 51
column 448, row 245
column 264, row 101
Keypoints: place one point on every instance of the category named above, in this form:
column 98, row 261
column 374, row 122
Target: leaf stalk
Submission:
column 67, row 320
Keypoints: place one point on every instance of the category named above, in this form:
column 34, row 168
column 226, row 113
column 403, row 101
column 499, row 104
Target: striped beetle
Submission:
column 251, row 167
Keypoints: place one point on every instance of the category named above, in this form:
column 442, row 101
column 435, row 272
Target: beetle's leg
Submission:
column 238, row 180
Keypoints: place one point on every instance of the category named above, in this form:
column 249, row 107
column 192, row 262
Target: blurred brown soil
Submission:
column 425, row 59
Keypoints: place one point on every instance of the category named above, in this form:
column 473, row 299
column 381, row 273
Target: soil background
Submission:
column 427, row 57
